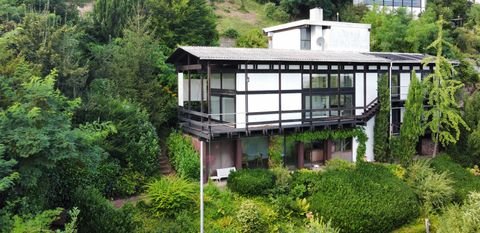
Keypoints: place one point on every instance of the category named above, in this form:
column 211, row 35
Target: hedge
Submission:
column 251, row 181
column 368, row 198
column 185, row 159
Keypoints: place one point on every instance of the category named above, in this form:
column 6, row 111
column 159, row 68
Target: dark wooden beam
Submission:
column 190, row 67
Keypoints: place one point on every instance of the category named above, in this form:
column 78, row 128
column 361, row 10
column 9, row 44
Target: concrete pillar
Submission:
column 300, row 155
column 238, row 154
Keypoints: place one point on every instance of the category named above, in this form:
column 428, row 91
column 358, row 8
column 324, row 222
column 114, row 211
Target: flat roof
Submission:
column 271, row 55
column 307, row 22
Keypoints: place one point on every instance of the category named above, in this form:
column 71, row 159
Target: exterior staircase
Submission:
column 165, row 166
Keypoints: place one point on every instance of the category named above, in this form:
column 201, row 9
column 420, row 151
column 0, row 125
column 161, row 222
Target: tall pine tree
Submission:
column 443, row 119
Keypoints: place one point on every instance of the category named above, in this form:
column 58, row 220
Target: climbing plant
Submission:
column 358, row 133
column 382, row 122
column 275, row 152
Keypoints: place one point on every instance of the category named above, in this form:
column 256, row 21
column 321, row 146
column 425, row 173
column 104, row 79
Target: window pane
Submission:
column 307, row 106
column 320, row 102
column 228, row 81
column 306, row 81
column 215, row 107
column 228, row 108
column 395, row 85
column 215, row 80
column 333, row 80
column 319, row 80
column 346, row 80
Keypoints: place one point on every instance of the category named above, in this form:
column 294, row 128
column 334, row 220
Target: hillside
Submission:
column 231, row 15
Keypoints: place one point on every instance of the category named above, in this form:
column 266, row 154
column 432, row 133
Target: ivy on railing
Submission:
column 357, row 133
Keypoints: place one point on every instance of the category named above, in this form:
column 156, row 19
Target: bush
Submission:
column 433, row 189
column 366, row 199
column 339, row 164
column 254, row 216
column 275, row 12
column 463, row 218
column 303, row 183
column 170, row 195
column 464, row 181
column 252, row 39
column 98, row 215
column 231, row 33
column 251, row 181
column 185, row 159
column 316, row 225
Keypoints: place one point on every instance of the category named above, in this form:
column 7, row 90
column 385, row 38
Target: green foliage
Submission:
column 274, row 12
column 434, row 189
column 275, row 149
column 421, row 32
column 316, row 225
column 231, row 33
column 382, row 122
column 357, row 133
column 98, row 215
column 411, row 128
column 353, row 13
column 112, row 16
column 388, row 29
column 170, row 195
column 183, row 155
column 303, row 183
column 366, row 199
column 339, row 164
column 251, row 181
column 467, row 150
column 299, row 9
column 7, row 175
column 38, row 223
column 181, row 22
column 462, row 218
column 443, row 118
column 136, row 65
column 464, row 181
column 252, row 39
column 248, row 216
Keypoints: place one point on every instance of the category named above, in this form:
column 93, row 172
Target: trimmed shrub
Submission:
column 366, row 199
column 253, row 216
column 185, row 159
column 231, row 33
column 98, row 215
column 251, row 181
column 170, row 195
column 464, row 181
column 433, row 189
column 303, row 183
column 339, row 164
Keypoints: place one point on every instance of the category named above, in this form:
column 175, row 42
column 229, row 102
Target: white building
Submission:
column 415, row 7
column 316, row 75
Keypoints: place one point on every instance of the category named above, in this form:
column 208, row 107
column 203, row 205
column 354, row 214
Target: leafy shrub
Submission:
column 396, row 169
column 464, row 181
column 433, row 189
column 303, row 183
column 170, row 195
column 231, row 33
column 251, row 181
column 184, row 157
column 282, row 180
column 252, row 39
column 366, row 199
column 463, row 218
column 339, row 164
column 98, row 215
column 316, row 225
column 255, row 217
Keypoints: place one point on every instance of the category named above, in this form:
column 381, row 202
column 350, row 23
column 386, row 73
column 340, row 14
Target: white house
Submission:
column 316, row 75
column 414, row 7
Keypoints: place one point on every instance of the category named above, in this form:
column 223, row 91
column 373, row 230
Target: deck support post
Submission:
column 300, row 155
column 328, row 149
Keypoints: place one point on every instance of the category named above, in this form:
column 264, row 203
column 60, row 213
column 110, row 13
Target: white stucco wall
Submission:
column 316, row 32
column 180, row 89
column 372, row 79
column 344, row 38
column 359, row 89
column 369, row 131
column 289, row 39
column 404, row 84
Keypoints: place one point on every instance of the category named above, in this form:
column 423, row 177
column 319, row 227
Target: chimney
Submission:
column 316, row 14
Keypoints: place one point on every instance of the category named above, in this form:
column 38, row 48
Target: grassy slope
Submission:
column 231, row 16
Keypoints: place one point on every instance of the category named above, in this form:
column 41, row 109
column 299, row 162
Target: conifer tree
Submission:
column 443, row 119
column 382, row 122
column 411, row 127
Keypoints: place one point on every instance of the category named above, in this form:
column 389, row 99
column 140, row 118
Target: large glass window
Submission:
column 228, row 81
column 228, row 109
column 319, row 81
column 305, row 38
column 306, row 81
column 343, row 145
column 215, row 79
column 320, row 102
column 395, row 86
column 333, row 80
column 346, row 80
column 215, row 107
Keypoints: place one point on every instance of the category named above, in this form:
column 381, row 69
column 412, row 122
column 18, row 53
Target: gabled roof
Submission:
column 260, row 54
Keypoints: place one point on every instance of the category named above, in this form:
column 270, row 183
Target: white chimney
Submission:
column 316, row 14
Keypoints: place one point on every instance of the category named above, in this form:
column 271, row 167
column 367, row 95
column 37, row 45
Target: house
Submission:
column 316, row 75
column 414, row 7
